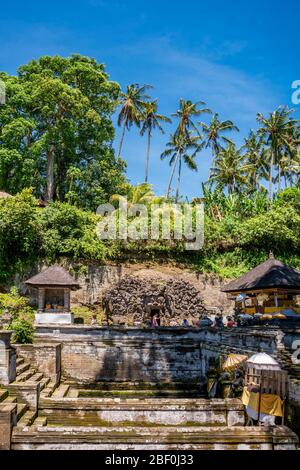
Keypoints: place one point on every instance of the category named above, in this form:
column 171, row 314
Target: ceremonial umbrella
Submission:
column 233, row 361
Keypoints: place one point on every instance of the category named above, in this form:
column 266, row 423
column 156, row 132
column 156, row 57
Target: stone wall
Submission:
column 95, row 278
column 91, row 354
column 99, row 354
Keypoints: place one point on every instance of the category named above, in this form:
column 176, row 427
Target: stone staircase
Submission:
column 11, row 394
column 27, row 373
column 70, row 421
column 131, row 416
column 6, row 399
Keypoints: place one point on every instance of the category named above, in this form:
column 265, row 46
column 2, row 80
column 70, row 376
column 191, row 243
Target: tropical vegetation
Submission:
column 57, row 161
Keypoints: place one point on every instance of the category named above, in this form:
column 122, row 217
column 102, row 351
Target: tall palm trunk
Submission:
column 50, row 174
column 279, row 178
column 148, row 156
column 212, row 164
column 172, row 174
column 271, row 176
column 178, row 180
column 122, row 140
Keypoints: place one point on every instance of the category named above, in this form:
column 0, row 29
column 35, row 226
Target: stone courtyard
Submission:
column 120, row 388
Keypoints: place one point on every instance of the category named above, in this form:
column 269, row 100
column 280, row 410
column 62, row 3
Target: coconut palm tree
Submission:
column 230, row 168
column 213, row 135
column 279, row 131
column 132, row 104
column 139, row 194
column 186, row 113
column 257, row 158
column 151, row 120
column 181, row 150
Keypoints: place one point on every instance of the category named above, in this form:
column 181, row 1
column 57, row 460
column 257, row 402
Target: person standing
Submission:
column 219, row 321
column 154, row 323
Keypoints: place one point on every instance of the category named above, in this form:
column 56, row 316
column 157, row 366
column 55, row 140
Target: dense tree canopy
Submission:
column 56, row 131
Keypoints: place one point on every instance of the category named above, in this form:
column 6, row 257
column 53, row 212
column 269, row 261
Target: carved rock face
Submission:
column 135, row 299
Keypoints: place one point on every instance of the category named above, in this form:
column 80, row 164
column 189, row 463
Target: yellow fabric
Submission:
column 269, row 404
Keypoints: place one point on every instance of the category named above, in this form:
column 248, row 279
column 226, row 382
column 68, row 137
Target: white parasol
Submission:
column 263, row 361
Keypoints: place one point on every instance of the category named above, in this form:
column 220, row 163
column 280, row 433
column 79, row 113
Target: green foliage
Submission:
column 12, row 303
column 239, row 233
column 71, row 232
column 23, row 331
column 19, row 231
column 277, row 230
column 289, row 196
column 56, row 131
column 21, row 313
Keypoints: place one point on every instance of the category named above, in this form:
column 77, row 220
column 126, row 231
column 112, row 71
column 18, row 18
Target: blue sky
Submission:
column 240, row 57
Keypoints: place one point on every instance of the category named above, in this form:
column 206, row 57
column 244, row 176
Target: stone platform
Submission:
column 156, row 438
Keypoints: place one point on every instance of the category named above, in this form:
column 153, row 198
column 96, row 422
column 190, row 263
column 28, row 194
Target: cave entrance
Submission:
column 155, row 312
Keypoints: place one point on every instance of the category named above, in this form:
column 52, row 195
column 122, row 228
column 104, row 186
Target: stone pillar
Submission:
column 41, row 299
column 8, row 368
column 48, row 360
column 8, row 419
column 67, row 303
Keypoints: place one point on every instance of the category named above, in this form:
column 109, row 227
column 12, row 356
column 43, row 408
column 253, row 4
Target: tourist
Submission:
column 219, row 321
column 154, row 323
column 185, row 323
column 94, row 320
column 205, row 322
column 231, row 323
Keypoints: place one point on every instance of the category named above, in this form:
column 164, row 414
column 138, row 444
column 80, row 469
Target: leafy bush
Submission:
column 23, row 331
column 16, row 305
column 289, row 196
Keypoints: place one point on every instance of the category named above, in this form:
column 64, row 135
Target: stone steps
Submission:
column 20, row 360
column 21, row 410
column 40, row 421
column 3, row 395
column 22, row 368
column 25, row 376
column 157, row 438
column 10, row 399
column 27, row 419
column 140, row 411
column 37, row 377
column 48, row 390
column 44, row 382
column 119, row 386
column 61, row 391
column 140, row 393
